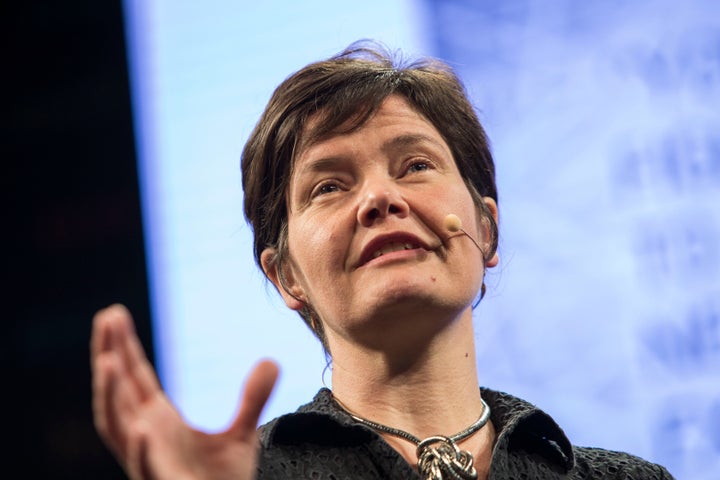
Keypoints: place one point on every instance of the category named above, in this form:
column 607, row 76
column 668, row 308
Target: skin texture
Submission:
column 399, row 326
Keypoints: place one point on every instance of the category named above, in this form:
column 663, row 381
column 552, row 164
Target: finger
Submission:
column 101, row 338
column 116, row 405
column 124, row 340
column 258, row 388
column 117, row 396
column 106, row 371
column 101, row 368
column 111, row 327
column 116, row 334
column 104, row 382
column 135, row 359
column 136, row 463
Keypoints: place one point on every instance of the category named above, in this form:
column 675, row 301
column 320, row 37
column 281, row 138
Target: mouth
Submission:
column 392, row 247
column 387, row 244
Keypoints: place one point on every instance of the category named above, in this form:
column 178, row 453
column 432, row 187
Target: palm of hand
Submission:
column 144, row 430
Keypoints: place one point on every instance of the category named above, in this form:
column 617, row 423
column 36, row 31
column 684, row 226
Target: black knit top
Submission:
column 321, row 441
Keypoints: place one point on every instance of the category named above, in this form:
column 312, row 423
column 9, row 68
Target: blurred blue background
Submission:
column 604, row 122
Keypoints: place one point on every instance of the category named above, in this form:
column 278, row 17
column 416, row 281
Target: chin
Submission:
column 407, row 324
column 415, row 301
column 424, row 287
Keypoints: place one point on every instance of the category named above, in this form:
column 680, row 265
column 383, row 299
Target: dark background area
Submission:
column 75, row 234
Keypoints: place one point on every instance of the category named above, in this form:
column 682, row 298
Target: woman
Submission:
column 371, row 192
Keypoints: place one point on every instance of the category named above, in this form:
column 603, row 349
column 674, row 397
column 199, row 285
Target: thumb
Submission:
column 258, row 386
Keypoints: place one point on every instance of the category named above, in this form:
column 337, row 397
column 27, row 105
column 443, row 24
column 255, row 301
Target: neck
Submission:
column 425, row 389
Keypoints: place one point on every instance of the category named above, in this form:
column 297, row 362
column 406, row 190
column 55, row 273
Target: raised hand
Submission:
column 145, row 431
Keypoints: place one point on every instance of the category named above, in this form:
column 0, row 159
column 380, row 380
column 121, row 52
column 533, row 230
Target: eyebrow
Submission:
column 322, row 164
column 396, row 143
column 410, row 140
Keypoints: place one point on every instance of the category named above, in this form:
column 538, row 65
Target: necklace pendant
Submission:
column 439, row 458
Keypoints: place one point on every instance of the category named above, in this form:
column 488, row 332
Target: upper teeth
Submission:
column 392, row 247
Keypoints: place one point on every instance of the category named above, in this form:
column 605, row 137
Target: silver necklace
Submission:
column 439, row 457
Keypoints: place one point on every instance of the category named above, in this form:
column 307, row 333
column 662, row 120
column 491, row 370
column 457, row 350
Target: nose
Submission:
column 380, row 200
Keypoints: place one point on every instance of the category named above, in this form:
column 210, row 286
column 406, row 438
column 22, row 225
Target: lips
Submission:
column 385, row 244
column 392, row 247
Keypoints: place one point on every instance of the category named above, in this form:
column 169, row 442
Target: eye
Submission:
column 325, row 188
column 418, row 165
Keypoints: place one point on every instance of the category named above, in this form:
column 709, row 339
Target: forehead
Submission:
column 394, row 116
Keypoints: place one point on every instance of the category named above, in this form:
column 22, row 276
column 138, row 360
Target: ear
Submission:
column 283, row 278
column 491, row 205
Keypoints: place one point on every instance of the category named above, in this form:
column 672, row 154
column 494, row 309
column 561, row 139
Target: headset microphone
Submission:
column 453, row 223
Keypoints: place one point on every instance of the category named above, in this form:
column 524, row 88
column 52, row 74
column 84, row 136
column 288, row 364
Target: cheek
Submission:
column 464, row 207
column 317, row 250
column 471, row 215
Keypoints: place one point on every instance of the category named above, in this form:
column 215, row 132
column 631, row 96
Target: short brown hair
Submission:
column 347, row 89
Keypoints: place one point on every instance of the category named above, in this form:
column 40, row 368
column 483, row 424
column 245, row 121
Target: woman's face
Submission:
column 367, row 246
